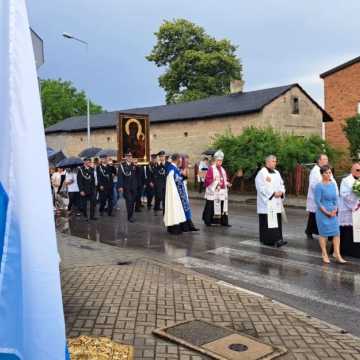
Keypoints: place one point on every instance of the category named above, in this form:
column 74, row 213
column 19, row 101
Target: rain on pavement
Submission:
column 293, row 275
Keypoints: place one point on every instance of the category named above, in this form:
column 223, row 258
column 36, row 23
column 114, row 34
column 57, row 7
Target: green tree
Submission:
column 248, row 150
column 60, row 100
column 197, row 65
column 352, row 132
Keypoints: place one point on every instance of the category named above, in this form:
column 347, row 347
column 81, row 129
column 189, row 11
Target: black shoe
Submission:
column 309, row 236
column 280, row 243
column 131, row 220
column 93, row 218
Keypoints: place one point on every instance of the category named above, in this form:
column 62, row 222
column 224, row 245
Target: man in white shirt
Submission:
column 314, row 178
column 349, row 202
column 270, row 194
column 72, row 188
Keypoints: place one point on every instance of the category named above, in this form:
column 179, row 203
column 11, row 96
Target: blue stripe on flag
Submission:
column 4, row 200
column 8, row 357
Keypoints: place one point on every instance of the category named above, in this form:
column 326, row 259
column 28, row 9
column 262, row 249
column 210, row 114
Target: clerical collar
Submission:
column 271, row 171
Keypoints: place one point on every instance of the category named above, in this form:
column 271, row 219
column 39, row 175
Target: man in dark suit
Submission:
column 105, row 173
column 87, row 189
column 159, row 176
column 149, row 180
column 128, row 184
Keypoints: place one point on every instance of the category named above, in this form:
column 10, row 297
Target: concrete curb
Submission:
column 291, row 202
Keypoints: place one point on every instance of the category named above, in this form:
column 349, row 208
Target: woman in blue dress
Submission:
column 326, row 198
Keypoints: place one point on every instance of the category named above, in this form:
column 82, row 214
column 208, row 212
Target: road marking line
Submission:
column 262, row 281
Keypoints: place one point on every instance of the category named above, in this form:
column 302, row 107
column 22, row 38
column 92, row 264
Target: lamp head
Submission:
column 67, row 35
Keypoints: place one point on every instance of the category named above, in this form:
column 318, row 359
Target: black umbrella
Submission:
column 50, row 151
column 107, row 152
column 209, row 152
column 72, row 161
column 90, row 152
column 55, row 158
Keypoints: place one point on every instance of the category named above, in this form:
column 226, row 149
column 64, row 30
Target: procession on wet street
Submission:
column 168, row 194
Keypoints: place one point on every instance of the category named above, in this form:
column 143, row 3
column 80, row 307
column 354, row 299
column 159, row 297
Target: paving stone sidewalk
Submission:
column 126, row 302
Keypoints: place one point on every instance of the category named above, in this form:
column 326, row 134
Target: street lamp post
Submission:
column 69, row 36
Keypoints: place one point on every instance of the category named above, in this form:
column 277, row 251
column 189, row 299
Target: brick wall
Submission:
column 342, row 95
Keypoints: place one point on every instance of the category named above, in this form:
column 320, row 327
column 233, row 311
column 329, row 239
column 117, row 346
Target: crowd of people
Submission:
column 161, row 185
column 331, row 211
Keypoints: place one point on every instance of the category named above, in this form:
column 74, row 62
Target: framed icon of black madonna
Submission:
column 133, row 136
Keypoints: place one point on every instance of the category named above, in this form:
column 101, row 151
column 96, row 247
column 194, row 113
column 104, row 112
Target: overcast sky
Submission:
column 280, row 42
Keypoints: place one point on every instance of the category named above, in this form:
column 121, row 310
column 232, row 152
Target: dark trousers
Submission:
column 73, row 200
column 106, row 199
column 130, row 198
column 159, row 198
column 201, row 186
column 139, row 194
column 91, row 198
column 311, row 227
column 149, row 191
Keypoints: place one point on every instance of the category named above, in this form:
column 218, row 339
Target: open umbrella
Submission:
column 107, row 152
column 90, row 152
column 71, row 161
column 55, row 158
column 50, row 151
column 209, row 152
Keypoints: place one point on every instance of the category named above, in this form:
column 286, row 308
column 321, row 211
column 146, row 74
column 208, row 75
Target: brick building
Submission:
column 190, row 127
column 342, row 99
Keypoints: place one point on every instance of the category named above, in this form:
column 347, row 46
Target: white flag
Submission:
column 31, row 311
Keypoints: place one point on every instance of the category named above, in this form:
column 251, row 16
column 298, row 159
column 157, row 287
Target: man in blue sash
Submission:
column 177, row 216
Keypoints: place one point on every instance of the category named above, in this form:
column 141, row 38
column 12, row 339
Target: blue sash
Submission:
column 179, row 181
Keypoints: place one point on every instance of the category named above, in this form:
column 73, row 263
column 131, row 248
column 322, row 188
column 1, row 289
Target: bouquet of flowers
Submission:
column 356, row 188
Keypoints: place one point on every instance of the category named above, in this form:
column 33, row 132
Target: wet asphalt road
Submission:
column 294, row 275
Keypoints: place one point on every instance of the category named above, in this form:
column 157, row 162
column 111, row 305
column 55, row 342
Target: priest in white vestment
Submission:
column 177, row 214
column 349, row 203
column 270, row 195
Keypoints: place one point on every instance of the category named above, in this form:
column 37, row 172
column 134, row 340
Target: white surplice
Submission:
column 267, row 184
column 314, row 178
column 348, row 201
column 174, row 212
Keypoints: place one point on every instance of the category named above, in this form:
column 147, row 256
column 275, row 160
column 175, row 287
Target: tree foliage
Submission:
column 248, row 150
column 197, row 65
column 60, row 100
column 352, row 132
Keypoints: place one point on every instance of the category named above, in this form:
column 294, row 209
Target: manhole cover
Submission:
column 238, row 347
column 218, row 342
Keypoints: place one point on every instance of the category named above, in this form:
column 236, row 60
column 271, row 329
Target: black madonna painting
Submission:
column 133, row 136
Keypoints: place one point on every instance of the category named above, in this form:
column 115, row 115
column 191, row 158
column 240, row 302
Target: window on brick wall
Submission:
column 295, row 105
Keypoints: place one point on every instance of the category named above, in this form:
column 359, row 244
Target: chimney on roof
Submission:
column 236, row 86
